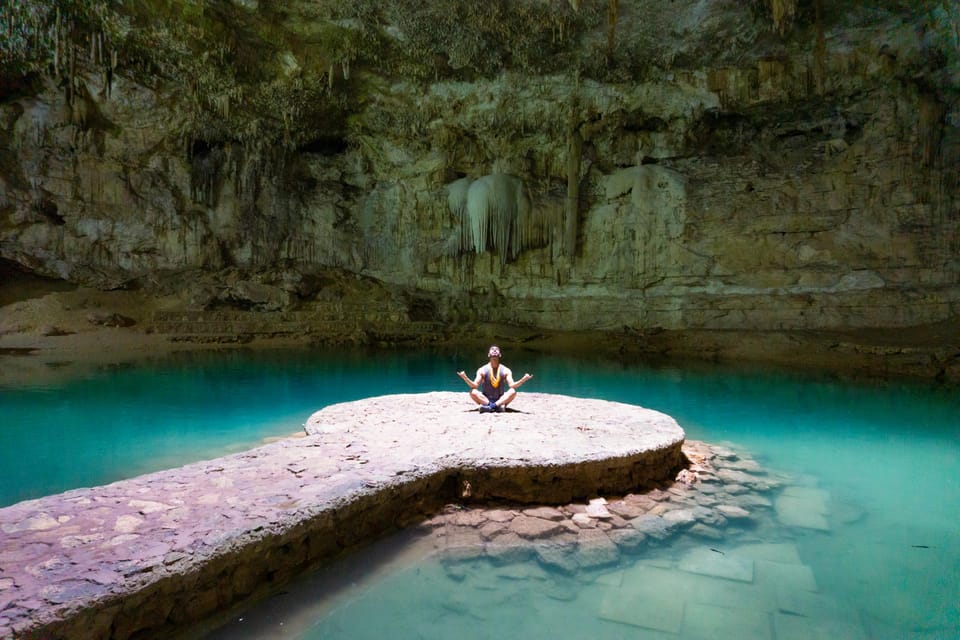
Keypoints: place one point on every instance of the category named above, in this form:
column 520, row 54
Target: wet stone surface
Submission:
column 150, row 556
column 698, row 503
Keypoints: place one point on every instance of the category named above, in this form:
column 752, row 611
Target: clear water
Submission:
column 888, row 455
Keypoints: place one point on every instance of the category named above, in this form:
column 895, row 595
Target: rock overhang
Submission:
column 160, row 552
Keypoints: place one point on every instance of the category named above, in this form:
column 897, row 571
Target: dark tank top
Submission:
column 493, row 386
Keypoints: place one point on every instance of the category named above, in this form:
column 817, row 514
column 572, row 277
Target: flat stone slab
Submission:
column 157, row 553
column 708, row 562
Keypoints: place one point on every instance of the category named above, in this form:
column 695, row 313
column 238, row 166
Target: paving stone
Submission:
column 783, row 552
column 706, row 561
column 703, row 531
column 464, row 544
column 500, row 515
column 627, row 539
column 560, row 557
column 801, row 602
column 732, row 512
column 744, row 464
column 653, row 526
column 546, row 513
column 747, row 500
column 806, row 513
column 721, row 592
column 708, row 622
column 790, row 627
column 469, row 518
column 734, row 476
column 610, row 578
column 790, row 576
column 598, row 511
column 722, row 452
column 643, row 501
column 584, row 521
column 508, row 548
column 653, row 609
column 628, row 510
column 596, row 549
column 491, row 530
column 535, row 528
column 680, row 517
column 709, row 516
column 807, row 493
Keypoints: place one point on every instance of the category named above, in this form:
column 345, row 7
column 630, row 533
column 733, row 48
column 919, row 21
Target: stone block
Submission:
column 800, row 602
column 705, row 561
column 790, row 627
column 596, row 549
column 805, row 513
column 791, row 576
column 627, row 539
column 653, row 526
column 655, row 609
column 560, row 557
column 535, row 528
column 709, row 622
column 784, row 552
column 507, row 548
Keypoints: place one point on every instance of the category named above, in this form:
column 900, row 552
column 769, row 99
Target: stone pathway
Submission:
column 154, row 554
column 734, row 573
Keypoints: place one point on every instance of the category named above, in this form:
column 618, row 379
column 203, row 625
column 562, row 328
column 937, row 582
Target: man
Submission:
column 494, row 387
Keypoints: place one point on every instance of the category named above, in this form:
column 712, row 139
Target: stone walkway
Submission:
column 157, row 553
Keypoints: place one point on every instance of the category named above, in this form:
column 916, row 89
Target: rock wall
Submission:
column 706, row 172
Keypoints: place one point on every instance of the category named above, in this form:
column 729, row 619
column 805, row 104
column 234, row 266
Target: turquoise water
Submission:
column 888, row 456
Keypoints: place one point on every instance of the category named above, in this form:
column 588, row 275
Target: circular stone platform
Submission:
column 155, row 554
column 543, row 449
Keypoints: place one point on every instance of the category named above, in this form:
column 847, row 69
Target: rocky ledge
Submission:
column 720, row 493
column 157, row 553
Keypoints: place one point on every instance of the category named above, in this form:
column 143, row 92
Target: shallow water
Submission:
column 885, row 456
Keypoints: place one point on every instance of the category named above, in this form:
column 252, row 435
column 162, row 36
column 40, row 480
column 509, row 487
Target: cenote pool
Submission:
column 885, row 455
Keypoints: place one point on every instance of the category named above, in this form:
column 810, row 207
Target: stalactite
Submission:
column 930, row 125
column 574, row 150
column 457, row 201
column 494, row 213
column 572, row 213
column 820, row 50
column 478, row 215
column 71, row 74
column 612, row 17
column 56, row 45
column 784, row 11
column 110, row 71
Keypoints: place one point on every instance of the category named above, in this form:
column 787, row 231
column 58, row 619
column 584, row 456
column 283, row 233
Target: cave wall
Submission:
column 720, row 171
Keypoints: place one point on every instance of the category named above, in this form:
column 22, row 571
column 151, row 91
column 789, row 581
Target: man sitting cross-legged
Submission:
column 493, row 388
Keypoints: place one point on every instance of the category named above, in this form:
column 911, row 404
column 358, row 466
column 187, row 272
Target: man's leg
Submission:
column 507, row 398
column 477, row 396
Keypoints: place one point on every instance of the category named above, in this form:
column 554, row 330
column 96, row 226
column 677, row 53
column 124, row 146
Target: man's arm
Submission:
column 516, row 384
column 473, row 384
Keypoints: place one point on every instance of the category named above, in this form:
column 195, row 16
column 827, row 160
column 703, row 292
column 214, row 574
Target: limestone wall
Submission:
column 774, row 185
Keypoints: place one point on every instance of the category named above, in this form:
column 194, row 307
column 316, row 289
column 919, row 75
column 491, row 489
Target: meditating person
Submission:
column 494, row 387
